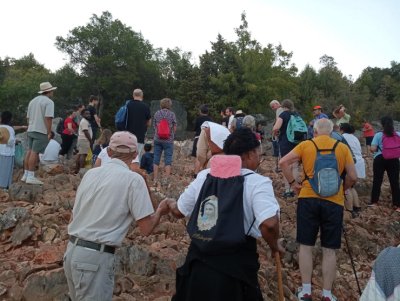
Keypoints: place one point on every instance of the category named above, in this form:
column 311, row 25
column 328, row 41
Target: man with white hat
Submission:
column 40, row 118
column 109, row 198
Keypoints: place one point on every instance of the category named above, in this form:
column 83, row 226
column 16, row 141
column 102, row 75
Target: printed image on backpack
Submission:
column 326, row 180
column 391, row 146
column 296, row 130
column 121, row 117
column 208, row 214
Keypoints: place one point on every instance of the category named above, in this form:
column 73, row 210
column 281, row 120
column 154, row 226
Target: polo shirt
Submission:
column 109, row 198
column 259, row 201
column 307, row 152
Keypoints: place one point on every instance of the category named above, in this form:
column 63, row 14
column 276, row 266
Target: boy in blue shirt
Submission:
column 146, row 162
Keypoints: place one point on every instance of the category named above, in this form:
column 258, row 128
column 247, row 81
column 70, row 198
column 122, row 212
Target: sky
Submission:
column 356, row 33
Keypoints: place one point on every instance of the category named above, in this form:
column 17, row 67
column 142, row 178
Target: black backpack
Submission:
column 216, row 225
column 60, row 126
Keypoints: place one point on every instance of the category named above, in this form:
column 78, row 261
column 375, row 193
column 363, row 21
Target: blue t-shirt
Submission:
column 146, row 162
column 377, row 141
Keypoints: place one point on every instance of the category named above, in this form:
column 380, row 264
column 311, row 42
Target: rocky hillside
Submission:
column 33, row 237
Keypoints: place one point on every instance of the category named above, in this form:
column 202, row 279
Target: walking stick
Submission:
column 351, row 260
column 279, row 272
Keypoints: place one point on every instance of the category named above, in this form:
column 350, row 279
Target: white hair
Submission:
column 323, row 126
column 274, row 102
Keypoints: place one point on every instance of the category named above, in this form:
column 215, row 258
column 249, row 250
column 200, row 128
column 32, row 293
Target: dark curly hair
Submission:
column 347, row 128
column 240, row 141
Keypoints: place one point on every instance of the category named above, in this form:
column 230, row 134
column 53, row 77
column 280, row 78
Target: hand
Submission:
column 163, row 207
column 49, row 136
column 279, row 249
column 296, row 187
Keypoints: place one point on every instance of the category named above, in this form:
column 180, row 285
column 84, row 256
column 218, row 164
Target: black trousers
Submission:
column 66, row 143
column 391, row 166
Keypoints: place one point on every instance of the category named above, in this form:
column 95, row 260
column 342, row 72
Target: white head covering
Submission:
column 218, row 132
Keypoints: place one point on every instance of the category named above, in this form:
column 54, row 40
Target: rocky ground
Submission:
column 33, row 236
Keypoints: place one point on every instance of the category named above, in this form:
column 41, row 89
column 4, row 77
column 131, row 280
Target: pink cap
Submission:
column 123, row 142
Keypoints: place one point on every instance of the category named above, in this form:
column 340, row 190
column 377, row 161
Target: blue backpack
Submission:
column 239, row 121
column 296, row 130
column 121, row 118
column 326, row 180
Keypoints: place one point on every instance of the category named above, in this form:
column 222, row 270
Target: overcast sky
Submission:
column 356, row 33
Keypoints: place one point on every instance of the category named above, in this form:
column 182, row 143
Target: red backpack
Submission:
column 163, row 130
column 391, row 146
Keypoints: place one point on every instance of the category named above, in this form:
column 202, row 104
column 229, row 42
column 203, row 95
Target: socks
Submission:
column 25, row 172
column 306, row 288
column 30, row 174
column 326, row 293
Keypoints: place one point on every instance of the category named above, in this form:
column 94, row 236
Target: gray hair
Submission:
column 249, row 122
column 274, row 102
column 137, row 93
column 288, row 104
column 323, row 126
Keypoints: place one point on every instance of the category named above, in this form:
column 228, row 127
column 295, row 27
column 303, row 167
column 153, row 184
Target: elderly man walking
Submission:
column 40, row 117
column 109, row 198
column 317, row 208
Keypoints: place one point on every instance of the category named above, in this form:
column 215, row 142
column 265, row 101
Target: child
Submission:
column 146, row 161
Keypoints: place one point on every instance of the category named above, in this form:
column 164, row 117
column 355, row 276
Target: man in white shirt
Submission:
column 85, row 142
column 40, row 117
column 50, row 155
column 230, row 113
column 109, row 198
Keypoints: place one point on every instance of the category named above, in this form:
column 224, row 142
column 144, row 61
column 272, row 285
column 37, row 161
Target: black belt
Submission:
column 91, row 245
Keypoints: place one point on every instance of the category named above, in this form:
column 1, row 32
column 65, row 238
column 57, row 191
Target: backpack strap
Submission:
column 248, row 231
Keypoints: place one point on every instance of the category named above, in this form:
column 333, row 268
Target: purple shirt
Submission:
column 170, row 116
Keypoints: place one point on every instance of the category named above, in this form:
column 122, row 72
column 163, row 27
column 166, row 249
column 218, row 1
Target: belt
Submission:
column 91, row 245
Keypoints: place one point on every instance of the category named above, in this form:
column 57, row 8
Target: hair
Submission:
column 52, row 135
column 137, row 93
column 147, row 147
column 347, row 128
column 166, row 103
column 387, row 124
column 85, row 110
column 249, row 122
column 274, row 102
column 230, row 109
column 69, row 112
column 93, row 98
column 207, row 201
column 323, row 126
column 204, row 109
column 104, row 137
column 288, row 104
column 240, row 141
column 78, row 106
column 6, row 117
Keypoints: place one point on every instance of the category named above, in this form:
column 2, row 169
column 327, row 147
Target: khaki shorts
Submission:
column 83, row 147
column 37, row 142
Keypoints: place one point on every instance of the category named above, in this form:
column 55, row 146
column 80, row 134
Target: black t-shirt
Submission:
column 285, row 115
column 199, row 122
column 138, row 115
column 92, row 120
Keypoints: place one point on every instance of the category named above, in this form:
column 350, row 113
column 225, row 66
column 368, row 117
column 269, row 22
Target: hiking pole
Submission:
column 279, row 272
column 351, row 259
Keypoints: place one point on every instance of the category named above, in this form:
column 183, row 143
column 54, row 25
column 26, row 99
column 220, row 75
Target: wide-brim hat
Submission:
column 46, row 87
column 4, row 135
column 239, row 112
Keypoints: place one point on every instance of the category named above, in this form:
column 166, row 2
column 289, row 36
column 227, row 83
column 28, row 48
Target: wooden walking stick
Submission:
column 279, row 272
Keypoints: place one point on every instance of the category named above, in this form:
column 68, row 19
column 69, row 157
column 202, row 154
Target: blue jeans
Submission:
column 168, row 149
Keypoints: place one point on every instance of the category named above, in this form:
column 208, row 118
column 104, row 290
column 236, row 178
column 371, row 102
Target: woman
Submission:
column 352, row 202
column 101, row 143
column 164, row 144
column 285, row 146
column 68, row 134
column 380, row 165
column 368, row 134
column 7, row 150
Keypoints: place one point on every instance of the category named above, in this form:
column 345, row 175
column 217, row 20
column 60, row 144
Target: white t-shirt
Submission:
column 50, row 154
column 84, row 125
column 109, row 198
column 355, row 147
column 8, row 149
column 258, row 199
column 39, row 108
column 230, row 121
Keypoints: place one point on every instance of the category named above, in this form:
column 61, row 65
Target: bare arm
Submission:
column 97, row 119
column 277, row 126
column 351, row 176
column 97, row 163
column 48, row 121
column 173, row 207
column 270, row 232
column 147, row 224
column 285, row 164
column 374, row 148
column 148, row 124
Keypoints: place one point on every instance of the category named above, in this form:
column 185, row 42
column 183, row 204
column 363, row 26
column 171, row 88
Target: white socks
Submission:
column 30, row 174
column 326, row 293
column 306, row 288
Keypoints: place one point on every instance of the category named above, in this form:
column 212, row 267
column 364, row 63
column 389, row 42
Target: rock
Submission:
column 3, row 289
column 11, row 217
column 48, row 254
column 22, row 232
column 49, row 234
column 25, row 192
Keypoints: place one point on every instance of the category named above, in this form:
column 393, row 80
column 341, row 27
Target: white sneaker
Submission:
column 34, row 181
column 23, row 179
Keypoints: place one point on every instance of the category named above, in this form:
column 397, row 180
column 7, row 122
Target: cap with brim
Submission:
column 4, row 135
column 123, row 142
column 317, row 108
column 46, row 87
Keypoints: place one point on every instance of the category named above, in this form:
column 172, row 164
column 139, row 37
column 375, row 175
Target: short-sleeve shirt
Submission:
column 84, row 125
column 344, row 119
column 259, row 201
column 138, row 116
column 8, row 149
column 377, row 141
column 73, row 124
column 285, row 116
column 368, row 130
column 308, row 154
column 278, row 112
column 38, row 109
column 109, row 198
column 51, row 152
column 170, row 116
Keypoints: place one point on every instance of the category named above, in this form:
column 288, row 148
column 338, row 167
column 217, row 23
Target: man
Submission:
column 94, row 118
column 139, row 118
column 40, row 117
column 228, row 275
column 85, row 141
column 276, row 107
column 230, row 114
column 109, row 198
column 315, row 212
column 237, row 120
column 50, row 155
column 317, row 112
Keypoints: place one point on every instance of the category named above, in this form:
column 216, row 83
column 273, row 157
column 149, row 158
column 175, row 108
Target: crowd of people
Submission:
column 223, row 151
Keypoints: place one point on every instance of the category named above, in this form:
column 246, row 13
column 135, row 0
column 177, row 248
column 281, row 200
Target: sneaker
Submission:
column 372, row 204
column 301, row 296
column 34, row 181
column 23, row 179
column 329, row 299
